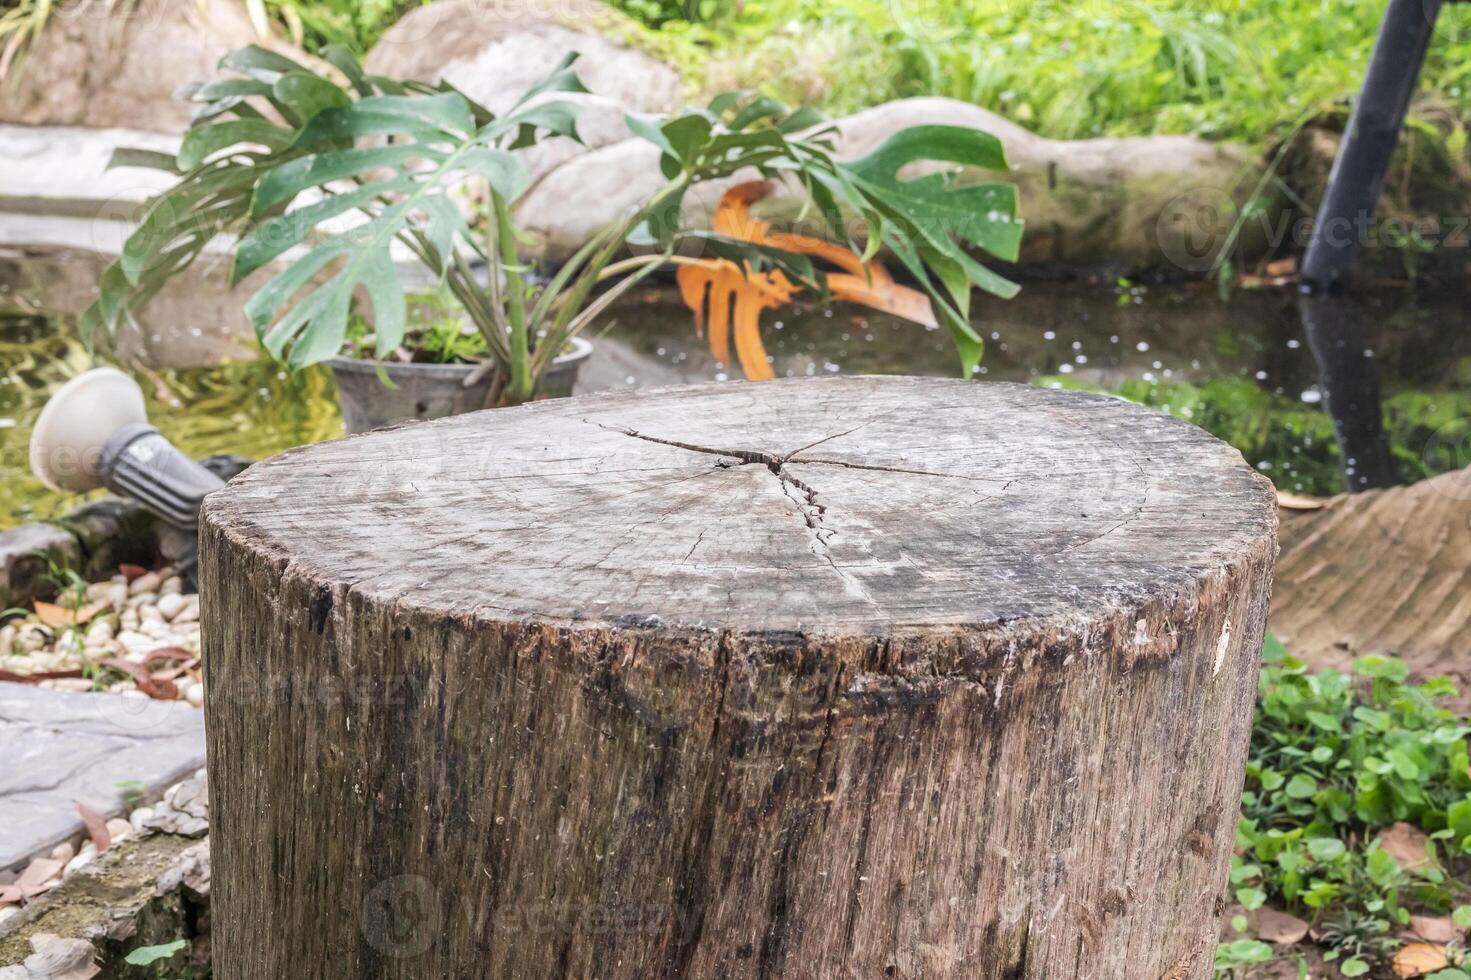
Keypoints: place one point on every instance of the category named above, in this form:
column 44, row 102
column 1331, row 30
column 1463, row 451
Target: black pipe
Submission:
column 1368, row 143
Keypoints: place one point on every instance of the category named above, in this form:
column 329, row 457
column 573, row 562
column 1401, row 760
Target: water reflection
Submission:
column 1348, row 376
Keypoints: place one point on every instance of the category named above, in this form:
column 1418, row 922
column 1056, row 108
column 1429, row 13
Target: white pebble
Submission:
column 190, row 612
column 63, row 852
column 118, row 829
column 79, row 862
column 172, row 586
column 8, row 912
column 142, row 600
column 144, row 583
column 100, row 633
column 75, row 685
column 195, row 695
column 139, row 818
column 170, row 604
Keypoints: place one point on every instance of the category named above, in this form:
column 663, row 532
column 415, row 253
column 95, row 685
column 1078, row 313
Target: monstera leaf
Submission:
column 288, row 159
column 932, row 223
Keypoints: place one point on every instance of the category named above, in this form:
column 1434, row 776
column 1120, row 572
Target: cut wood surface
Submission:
column 1386, row 572
column 852, row 677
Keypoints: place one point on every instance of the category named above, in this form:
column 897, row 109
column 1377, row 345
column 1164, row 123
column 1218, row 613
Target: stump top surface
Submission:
column 838, row 505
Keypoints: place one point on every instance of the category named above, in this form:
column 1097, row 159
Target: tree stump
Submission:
column 852, row 677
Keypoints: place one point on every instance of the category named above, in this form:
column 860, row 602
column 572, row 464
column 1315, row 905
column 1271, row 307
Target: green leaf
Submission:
column 561, row 79
column 284, row 182
column 980, row 214
column 259, row 63
column 1251, row 899
column 1354, row 967
column 230, row 88
column 202, row 143
column 427, row 117
column 504, row 171
column 147, row 955
column 274, row 237
column 342, row 58
column 149, row 159
column 1301, row 787
column 309, row 94
column 1326, row 848
column 685, row 134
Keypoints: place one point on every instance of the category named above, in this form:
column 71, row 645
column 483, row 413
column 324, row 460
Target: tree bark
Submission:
column 855, row 677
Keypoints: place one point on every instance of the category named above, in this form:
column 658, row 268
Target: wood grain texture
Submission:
column 853, row 677
column 1385, row 571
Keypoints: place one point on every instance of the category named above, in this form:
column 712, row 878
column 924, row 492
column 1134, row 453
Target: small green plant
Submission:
column 149, row 955
column 285, row 157
column 1336, row 758
column 1234, row 958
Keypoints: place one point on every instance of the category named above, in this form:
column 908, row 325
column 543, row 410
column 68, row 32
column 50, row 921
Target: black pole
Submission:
column 1363, row 158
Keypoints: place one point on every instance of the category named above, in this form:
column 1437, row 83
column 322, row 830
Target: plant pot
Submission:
column 431, row 391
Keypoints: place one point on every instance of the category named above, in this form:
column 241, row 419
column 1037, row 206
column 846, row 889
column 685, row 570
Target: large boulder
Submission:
column 494, row 52
column 1158, row 201
column 105, row 65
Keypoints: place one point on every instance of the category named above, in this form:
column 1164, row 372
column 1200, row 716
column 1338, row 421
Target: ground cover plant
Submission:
column 1356, row 815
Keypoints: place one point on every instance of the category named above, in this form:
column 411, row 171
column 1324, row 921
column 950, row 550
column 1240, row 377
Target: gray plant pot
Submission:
column 431, row 391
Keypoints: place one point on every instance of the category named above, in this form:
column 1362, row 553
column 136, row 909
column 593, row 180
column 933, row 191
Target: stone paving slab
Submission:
column 58, row 749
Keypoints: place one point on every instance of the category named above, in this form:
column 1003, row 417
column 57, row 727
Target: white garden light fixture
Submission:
column 94, row 432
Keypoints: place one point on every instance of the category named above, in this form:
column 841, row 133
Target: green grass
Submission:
column 1232, row 69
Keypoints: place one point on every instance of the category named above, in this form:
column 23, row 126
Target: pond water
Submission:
column 1242, row 366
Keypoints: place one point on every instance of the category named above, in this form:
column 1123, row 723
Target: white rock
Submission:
column 195, row 695
column 100, row 633
column 155, row 629
column 98, row 591
column 77, row 863
column 7, row 639
column 117, row 594
column 119, row 829
column 171, row 586
column 128, row 619
column 33, row 638
column 75, row 685
column 140, row 817
column 8, row 912
column 148, row 582
column 170, row 604
column 63, row 852
column 141, row 599
column 135, row 694
column 190, row 612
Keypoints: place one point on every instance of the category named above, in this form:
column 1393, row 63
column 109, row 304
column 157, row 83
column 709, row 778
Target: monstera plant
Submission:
column 332, row 178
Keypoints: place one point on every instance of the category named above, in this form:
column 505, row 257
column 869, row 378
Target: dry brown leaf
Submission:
column 156, row 689
column 1407, row 844
column 729, row 299
column 1437, row 929
column 58, row 617
column 131, row 572
column 96, row 825
column 10, row 894
column 1419, row 959
column 1279, row 928
column 1293, row 501
column 36, row 877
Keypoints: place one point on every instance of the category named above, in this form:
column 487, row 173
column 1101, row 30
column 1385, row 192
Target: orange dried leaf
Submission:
column 57, row 617
column 96, row 827
column 727, row 298
column 1419, row 959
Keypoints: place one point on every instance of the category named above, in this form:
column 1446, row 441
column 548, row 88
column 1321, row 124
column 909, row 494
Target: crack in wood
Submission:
column 813, row 513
